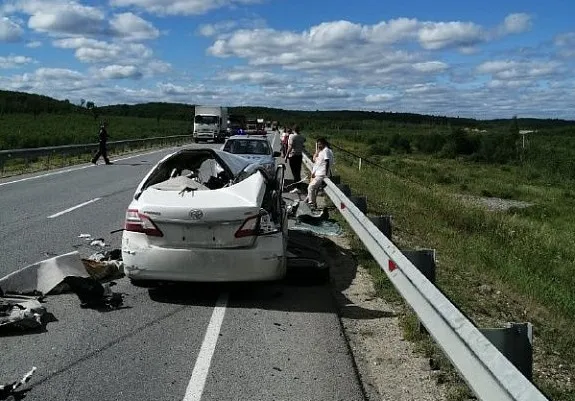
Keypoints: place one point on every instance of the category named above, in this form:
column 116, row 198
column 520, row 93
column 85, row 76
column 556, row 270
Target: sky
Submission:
column 478, row 59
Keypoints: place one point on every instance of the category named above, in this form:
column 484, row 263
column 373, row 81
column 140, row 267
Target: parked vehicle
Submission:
column 255, row 126
column 210, row 123
column 235, row 123
column 205, row 215
column 255, row 149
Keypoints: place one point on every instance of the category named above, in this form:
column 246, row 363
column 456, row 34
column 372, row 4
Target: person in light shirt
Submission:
column 323, row 162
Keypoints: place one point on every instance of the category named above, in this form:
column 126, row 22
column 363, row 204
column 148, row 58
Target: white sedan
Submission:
column 206, row 215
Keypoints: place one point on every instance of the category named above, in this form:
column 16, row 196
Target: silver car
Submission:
column 256, row 149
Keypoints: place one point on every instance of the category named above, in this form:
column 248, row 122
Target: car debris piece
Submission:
column 47, row 276
column 43, row 277
column 93, row 294
column 21, row 313
column 85, row 236
column 104, row 269
column 98, row 242
column 7, row 390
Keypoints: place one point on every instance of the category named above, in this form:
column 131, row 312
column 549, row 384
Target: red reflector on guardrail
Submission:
column 391, row 265
column 342, row 205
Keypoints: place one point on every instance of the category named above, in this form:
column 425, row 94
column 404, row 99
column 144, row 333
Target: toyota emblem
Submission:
column 196, row 214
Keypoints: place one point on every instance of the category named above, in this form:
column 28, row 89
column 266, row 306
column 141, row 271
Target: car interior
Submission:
column 195, row 171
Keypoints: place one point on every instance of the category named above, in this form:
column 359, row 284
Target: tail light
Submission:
column 250, row 227
column 140, row 223
column 259, row 224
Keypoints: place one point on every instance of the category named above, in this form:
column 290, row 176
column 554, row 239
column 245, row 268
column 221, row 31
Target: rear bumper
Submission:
column 264, row 262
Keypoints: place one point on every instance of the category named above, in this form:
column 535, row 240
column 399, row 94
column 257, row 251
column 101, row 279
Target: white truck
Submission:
column 210, row 123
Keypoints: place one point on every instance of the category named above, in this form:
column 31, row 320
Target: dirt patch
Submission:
column 493, row 203
column 389, row 365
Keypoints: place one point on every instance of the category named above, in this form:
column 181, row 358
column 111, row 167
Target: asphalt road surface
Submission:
column 201, row 342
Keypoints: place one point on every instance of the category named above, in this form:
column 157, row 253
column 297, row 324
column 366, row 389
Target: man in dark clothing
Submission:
column 102, row 141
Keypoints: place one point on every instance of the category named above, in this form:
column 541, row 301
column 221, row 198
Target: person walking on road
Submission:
column 295, row 152
column 323, row 162
column 102, row 144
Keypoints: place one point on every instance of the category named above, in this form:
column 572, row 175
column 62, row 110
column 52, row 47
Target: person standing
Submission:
column 295, row 152
column 323, row 162
column 102, row 144
column 284, row 140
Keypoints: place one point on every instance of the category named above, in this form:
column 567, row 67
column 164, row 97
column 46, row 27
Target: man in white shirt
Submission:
column 323, row 162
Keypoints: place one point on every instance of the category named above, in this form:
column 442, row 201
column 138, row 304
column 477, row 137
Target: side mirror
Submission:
column 277, row 154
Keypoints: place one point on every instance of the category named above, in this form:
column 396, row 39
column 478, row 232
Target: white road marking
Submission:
column 202, row 366
column 75, row 169
column 73, row 208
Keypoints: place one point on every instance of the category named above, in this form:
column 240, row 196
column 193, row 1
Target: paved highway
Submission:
column 204, row 342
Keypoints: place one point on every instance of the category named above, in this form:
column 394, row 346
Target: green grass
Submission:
column 27, row 131
column 524, row 257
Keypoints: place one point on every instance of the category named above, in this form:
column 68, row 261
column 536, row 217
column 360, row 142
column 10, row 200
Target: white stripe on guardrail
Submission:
column 490, row 375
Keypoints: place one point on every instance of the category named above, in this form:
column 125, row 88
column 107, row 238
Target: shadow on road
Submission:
column 301, row 291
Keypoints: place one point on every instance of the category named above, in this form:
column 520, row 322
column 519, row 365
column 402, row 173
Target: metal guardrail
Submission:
column 80, row 149
column 489, row 374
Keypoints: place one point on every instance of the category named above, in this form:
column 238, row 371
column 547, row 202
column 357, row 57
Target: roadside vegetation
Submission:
column 497, row 263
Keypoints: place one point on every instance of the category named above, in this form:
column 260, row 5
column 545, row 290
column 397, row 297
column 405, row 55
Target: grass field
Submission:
column 497, row 266
column 27, row 131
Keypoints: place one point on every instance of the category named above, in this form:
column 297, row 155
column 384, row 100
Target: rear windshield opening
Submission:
column 197, row 171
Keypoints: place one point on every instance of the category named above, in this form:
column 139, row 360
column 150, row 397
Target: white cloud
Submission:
column 566, row 44
column 14, row 61
column 516, row 23
column 440, row 35
column 34, row 44
column 431, row 66
column 255, row 77
column 69, row 18
column 10, row 31
column 379, row 98
column 353, row 45
column 514, row 70
column 120, row 72
column 96, row 51
column 180, row 7
column 132, row 27
column 223, row 28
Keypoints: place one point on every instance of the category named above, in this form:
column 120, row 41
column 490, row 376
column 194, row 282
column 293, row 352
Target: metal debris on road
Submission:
column 98, row 242
column 87, row 237
column 45, row 276
column 21, row 313
column 7, row 390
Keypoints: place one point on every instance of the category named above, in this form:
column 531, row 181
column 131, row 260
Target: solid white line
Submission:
column 75, row 168
column 73, row 208
column 202, row 366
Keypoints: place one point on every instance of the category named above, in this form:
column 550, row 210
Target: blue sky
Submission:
column 487, row 59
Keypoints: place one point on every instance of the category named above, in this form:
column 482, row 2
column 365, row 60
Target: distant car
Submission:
column 256, row 149
column 205, row 215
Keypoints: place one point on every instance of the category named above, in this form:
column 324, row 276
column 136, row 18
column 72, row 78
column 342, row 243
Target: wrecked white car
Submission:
column 209, row 216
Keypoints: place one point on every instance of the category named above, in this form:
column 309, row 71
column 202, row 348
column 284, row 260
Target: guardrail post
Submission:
column 515, row 342
column 360, row 202
column 424, row 260
column 345, row 189
column 383, row 223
